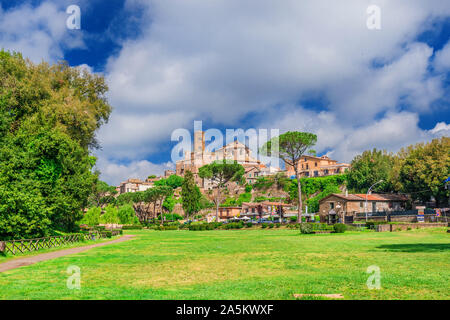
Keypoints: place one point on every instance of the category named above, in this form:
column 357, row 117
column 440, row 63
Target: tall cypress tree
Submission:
column 191, row 195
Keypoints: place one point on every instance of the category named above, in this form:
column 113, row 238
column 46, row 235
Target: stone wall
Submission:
column 406, row 226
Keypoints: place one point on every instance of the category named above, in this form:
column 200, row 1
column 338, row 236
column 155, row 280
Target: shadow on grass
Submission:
column 416, row 247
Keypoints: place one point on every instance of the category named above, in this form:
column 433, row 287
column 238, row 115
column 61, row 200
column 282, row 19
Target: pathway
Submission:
column 20, row 262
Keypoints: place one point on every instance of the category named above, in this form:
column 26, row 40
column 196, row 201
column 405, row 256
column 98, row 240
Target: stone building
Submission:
column 233, row 151
column 344, row 207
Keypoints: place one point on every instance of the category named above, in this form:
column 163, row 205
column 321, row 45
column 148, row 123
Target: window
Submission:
column 316, row 173
column 307, row 166
column 315, row 164
column 361, row 204
column 331, row 205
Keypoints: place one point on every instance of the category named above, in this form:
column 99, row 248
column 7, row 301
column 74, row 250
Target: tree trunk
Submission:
column 299, row 188
column 217, row 204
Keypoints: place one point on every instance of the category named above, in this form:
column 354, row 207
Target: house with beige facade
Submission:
column 311, row 166
column 135, row 185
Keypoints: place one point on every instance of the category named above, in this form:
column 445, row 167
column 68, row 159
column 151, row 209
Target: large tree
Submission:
column 290, row 147
column 369, row 168
column 102, row 194
column 424, row 169
column 220, row 173
column 48, row 118
column 190, row 194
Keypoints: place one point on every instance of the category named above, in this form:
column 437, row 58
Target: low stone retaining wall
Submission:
column 406, row 226
column 398, row 218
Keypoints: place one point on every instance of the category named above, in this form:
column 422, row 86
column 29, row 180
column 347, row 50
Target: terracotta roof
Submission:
column 371, row 197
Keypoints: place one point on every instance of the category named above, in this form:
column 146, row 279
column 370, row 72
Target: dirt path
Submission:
column 20, row 262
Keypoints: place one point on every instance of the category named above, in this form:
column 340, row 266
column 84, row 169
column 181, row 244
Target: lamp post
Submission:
column 367, row 195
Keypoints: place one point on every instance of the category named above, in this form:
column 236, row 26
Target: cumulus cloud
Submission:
column 115, row 173
column 227, row 62
column 39, row 33
column 224, row 60
column 442, row 60
column 342, row 140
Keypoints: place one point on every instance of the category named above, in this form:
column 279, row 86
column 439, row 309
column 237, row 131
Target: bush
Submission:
column 132, row 227
column 249, row 224
column 372, row 224
column 339, row 228
column 306, row 228
column 108, row 234
column 278, row 225
column 271, row 225
column 264, row 225
column 293, row 219
column 166, row 227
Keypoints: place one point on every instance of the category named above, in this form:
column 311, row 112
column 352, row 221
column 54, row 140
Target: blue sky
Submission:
column 292, row 65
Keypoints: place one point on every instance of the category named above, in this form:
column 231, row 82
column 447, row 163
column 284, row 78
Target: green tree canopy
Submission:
column 290, row 147
column 191, row 195
column 220, row 173
column 48, row 118
column 173, row 181
column 127, row 215
column 369, row 168
column 424, row 169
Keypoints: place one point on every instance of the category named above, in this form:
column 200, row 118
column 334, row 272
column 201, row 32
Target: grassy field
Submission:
column 245, row 264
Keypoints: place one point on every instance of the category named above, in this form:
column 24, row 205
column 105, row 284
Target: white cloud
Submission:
column 441, row 128
column 442, row 60
column 222, row 60
column 342, row 141
column 115, row 173
column 39, row 33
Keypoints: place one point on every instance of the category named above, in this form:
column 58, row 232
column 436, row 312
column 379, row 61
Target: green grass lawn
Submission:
column 245, row 264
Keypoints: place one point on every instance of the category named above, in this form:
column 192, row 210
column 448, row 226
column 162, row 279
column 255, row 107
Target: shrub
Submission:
column 339, row 228
column 132, row 227
column 271, row 225
column 108, row 234
column 306, row 228
column 264, row 225
column 249, row 224
column 127, row 215
column 278, row 225
column 293, row 219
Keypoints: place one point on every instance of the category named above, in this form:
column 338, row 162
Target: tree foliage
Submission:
column 290, row 147
column 48, row 118
column 173, row 181
column 92, row 216
column 424, row 168
column 220, row 173
column 369, row 168
column 127, row 215
column 191, row 195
